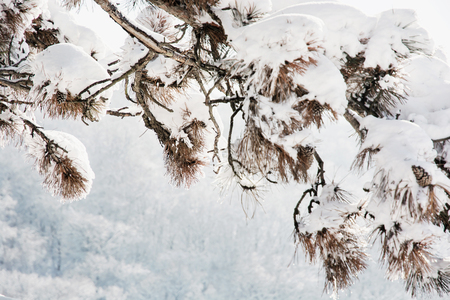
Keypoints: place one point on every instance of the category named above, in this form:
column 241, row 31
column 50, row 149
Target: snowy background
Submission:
column 137, row 237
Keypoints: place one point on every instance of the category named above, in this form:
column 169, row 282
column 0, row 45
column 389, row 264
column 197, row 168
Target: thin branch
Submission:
column 127, row 96
column 113, row 62
column 183, row 27
column 211, row 114
column 218, row 134
column 441, row 140
column 202, row 87
column 93, row 84
column 149, row 119
column 227, row 100
column 138, row 66
column 118, row 113
column 230, row 132
column 320, row 171
column 355, row 124
column 297, row 211
column 35, row 129
column 313, row 191
column 159, row 103
column 9, row 50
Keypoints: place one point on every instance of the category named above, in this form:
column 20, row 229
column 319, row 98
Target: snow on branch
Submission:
column 59, row 157
column 140, row 34
column 283, row 76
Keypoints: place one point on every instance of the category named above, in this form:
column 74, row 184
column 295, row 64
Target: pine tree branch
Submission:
column 149, row 119
column 147, row 40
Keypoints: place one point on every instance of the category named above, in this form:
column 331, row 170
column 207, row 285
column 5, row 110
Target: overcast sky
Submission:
column 433, row 14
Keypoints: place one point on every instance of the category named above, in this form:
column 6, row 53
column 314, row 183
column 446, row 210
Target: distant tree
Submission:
column 284, row 75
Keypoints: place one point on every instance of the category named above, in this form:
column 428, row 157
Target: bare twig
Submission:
column 211, row 115
column 313, row 191
column 93, row 84
column 227, row 100
column 230, row 133
column 184, row 27
column 119, row 113
column 441, row 140
column 138, row 66
column 113, row 62
column 297, row 211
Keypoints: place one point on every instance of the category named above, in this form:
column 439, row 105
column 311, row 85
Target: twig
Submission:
column 313, row 191
column 211, row 114
column 118, row 113
column 230, row 132
column 320, row 171
column 93, row 84
column 183, row 29
column 355, row 124
column 36, row 129
column 227, row 100
column 441, row 140
column 296, row 209
column 127, row 96
column 113, row 62
column 9, row 50
column 159, row 103
column 138, row 66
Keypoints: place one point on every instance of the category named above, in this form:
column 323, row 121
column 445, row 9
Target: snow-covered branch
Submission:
column 286, row 75
column 141, row 35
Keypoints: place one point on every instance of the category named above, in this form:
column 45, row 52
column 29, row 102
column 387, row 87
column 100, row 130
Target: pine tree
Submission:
column 284, row 75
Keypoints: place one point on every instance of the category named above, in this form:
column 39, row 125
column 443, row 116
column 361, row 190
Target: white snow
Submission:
column 68, row 69
column 428, row 88
column 331, row 93
column 138, row 238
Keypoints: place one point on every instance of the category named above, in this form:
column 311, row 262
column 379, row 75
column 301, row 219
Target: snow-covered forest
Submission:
column 220, row 146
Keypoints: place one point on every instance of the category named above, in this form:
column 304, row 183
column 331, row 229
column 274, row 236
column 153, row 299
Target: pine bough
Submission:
column 285, row 74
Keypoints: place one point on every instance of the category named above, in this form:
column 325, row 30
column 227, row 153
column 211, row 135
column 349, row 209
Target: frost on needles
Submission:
column 282, row 75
